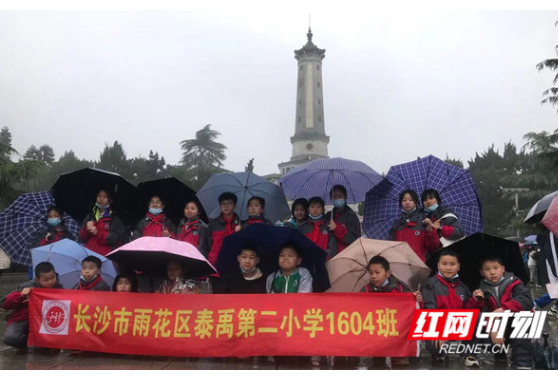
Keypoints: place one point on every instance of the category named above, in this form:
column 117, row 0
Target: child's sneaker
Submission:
column 471, row 361
column 553, row 311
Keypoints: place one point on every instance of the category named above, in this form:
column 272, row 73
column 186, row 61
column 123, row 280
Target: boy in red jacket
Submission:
column 17, row 330
column 503, row 291
column 445, row 291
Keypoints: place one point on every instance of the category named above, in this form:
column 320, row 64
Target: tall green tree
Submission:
column 44, row 154
column 551, row 93
column 13, row 174
column 150, row 168
column 113, row 158
column 250, row 166
column 202, row 157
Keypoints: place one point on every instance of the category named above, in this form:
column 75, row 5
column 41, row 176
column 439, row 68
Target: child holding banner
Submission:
column 247, row 277
column 177, row 281
column 382, row 280
column 91, row 279
column 290, row 278
column 17, row 330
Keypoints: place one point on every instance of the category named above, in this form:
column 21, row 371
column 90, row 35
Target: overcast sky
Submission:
column 396, row 85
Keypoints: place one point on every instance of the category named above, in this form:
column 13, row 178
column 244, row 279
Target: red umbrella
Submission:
column 550, row 219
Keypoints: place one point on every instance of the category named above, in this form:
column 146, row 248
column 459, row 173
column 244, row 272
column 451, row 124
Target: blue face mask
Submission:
column 155, row 211
column 104, row 207
column 432, row 208
column 54, row 221
column 315, row 217
column 339, row 203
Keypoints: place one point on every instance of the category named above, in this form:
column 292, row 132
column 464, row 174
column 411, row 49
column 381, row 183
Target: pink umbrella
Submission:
column 550, row 218
column 151, row 254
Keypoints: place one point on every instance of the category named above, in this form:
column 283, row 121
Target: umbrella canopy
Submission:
column 454, row 184
column 152, row 254
column 174, row 194
column 268, row 240
column 318, row 177
column 474, row 248
column 537, row 212
column 66, row 256
column 24, row 221
column 75, row 193
column 550, row 219
column 244, row 185
column 348, row 270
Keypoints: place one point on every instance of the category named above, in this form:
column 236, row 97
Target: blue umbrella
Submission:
column 66, row 256
column 454, row 184
column 268, row 239
column 318, row 177
column 244, row 185
column 23, row 221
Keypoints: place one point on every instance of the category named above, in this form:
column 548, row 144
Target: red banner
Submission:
column 336, row 324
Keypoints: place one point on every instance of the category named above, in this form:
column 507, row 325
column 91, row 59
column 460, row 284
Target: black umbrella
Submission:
column 174, row 194
column 474, row 248
column 536, row 213
column 75, row 193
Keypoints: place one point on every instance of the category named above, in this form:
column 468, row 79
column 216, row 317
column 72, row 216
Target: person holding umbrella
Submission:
column 192, row 229
column 102, row 230
column 55, row 230
column 440, row 218
column 155, row 223
column 422, row 237
column 343, row 222
column 226, row 224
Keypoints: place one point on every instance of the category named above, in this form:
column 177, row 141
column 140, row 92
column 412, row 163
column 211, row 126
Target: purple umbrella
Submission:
column 455, row 185
column 318, row 177
column 23, row 221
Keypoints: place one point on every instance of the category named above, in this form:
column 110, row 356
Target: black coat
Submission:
column 234, row 282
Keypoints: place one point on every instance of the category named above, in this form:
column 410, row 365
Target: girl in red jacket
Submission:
column 102, row 229
column 411, row 228
column 317, row 229
column 192, row 229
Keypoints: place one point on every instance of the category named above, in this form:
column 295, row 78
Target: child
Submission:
column 317, row 229
column 91, row 279
column 192, row 229
column 155, row 223
column 290, row 278
column 17, row 329
column 445, row 291
column 256, row 209
column 125, row 282
column 177, row 281
column 421, row 237
column 344, row 223
column 55, row 228
column 299, row 210
column 381, row 280
column 224, row 225
column 102, row 229
column 441, row 218
column 247, row 277
column 503, row 291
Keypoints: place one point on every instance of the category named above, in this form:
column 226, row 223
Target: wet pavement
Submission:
column 47, row 359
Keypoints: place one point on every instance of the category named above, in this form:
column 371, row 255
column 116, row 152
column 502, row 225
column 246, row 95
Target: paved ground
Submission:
column 44, row 359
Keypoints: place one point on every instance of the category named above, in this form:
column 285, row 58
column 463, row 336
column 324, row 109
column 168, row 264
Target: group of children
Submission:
column 497, row 292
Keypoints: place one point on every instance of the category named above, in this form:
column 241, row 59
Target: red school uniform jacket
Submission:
column 218, row 230
column 441, row 293
column 318, row 232
column 393, row 285
column 510, row 294
column 195, row 232
column 409, row 228
column 153, row 226
column 110, row 232
column 348, row 227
